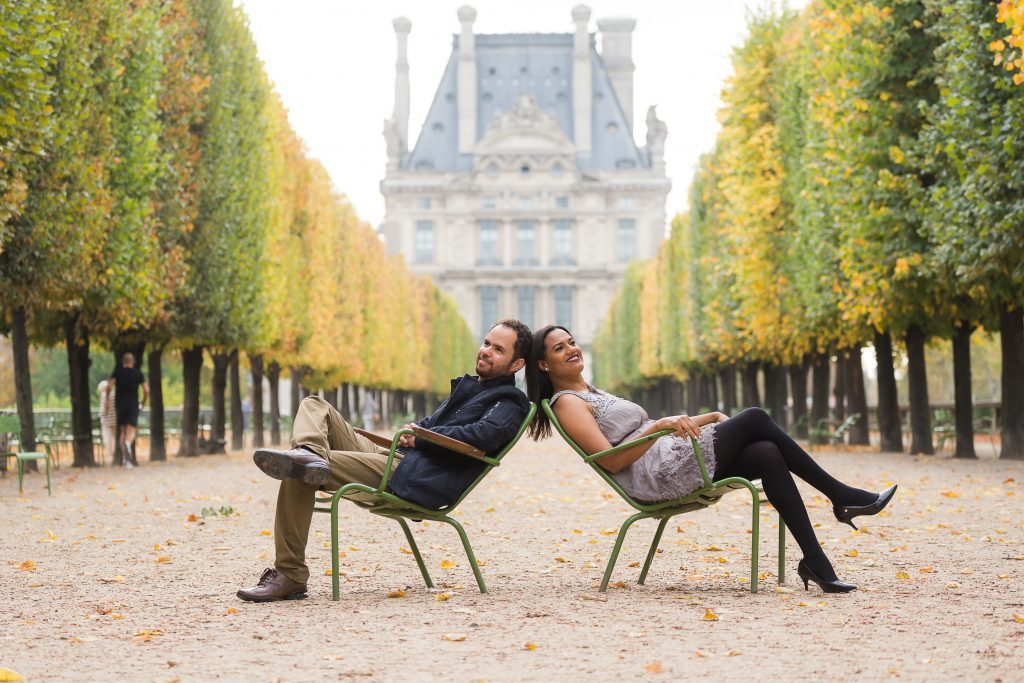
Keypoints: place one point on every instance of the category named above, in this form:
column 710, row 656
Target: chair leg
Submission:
column 335, row 565
column 654, row 549
column 618, row 546
column 21, row 475
column 755, row 527
column 415, row 551
column 49, row 491
column 782, row 551
column 469, row 552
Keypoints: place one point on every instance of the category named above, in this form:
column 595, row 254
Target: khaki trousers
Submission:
column 352, row 459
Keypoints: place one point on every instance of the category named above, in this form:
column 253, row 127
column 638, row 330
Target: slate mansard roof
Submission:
column 510, row 65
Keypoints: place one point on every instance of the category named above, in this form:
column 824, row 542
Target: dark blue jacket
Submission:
column 483, row 414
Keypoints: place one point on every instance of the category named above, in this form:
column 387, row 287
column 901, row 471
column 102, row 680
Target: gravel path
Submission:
column 119, row 576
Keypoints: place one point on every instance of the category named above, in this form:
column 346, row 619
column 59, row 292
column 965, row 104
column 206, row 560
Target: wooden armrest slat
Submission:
column 449, row 443
column 381, row 441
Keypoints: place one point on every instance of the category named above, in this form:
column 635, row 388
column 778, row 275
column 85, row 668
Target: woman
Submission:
column 748, row 445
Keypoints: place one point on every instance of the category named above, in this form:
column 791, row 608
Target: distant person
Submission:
column 484, row 411
column 108, row 419
column 126, row 380
column 369, row 411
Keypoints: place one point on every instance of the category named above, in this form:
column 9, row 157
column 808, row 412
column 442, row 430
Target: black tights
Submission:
column 752, row 446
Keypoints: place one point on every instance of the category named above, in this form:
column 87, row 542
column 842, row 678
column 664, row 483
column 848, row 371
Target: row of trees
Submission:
column 865, row 189
column 154, row 196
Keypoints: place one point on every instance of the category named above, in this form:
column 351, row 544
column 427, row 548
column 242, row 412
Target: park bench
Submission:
column 10, row 425
column 709, row 494
column 387, row 504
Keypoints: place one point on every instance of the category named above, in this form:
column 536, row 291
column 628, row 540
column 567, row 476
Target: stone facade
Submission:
column 525, row 195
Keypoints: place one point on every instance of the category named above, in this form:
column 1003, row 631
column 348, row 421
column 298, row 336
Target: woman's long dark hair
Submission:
column 538, row 384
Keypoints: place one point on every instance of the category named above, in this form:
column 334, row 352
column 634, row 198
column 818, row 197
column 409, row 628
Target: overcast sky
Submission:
column 333, row 62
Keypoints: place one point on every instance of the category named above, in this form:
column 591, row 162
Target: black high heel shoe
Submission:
column 836, row 586
column 846, row 513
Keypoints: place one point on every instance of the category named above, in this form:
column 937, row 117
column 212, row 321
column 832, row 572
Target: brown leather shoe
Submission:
column 297, row 463
column 273, row 585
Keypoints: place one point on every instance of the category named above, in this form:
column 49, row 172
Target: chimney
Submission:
column 582, row 87
column 466, row 78
column 401, row 113
column 617, row 53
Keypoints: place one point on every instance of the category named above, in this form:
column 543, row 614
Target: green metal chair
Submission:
column 10, row 424
column 387, row 504
column 709, row 494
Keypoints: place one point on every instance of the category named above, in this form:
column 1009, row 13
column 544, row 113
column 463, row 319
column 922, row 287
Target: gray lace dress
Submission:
column 668, row 469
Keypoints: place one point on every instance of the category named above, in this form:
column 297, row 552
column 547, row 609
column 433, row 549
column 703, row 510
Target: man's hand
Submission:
column 407, row 440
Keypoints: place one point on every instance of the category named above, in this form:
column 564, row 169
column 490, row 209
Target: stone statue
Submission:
column 394, row 144
column 657, row 131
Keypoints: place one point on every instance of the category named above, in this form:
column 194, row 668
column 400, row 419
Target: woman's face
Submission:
column 562, row 357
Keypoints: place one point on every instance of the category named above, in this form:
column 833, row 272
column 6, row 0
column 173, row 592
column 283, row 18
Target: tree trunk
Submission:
column 333, row 397
column 420, row 405
column 217, row 389
column 191, row 366
column 819, row 399
column 839, row 388
column 889, row 424
column 237, row 416
column 1011, row 333
column 356, row 391
column 256, row 366
column 775, row 393
column 273, row 378
column 23, row 380
column 751, row 397
column 920, row 411
column 856, row 397
column 728, row 375
column 296, row 391
column 963, row 407
column 798, row 389
column 76, row 338
column 345, row 406
column 692, row 395
column 157, row 438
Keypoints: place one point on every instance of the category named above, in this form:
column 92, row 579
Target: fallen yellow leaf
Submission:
column 405, row 550
column 156, row 546
column 653, row 667
column 698, row 653
column 617, row 584
column 927, row 570
column 353, row 548
column 529, row 646
column 52, row 536
column 396, row 594
column 952, row 584
column 265, row 532
column 28, row 565
column 1018, row 618
column 231, row 610
column 8, row 675
column 634, row 564
column 608, row 532
column 454, row 637
column 328, row 572
column 902, row 575
column 163, row 559
column 490, row 509
column 441, row 597
column 950, row 494
column 734, row 653
column 113, row 579
column 577, row 531
column 447, row 564
column 192, row 518
column 709, row 615
column 561, row 559
column 852, row 553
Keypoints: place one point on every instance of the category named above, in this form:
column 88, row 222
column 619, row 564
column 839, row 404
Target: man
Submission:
column 126, row 381
column 484, row 411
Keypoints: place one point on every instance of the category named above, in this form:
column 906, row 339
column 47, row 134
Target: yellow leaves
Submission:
column 193, row 518
column 28, row 566
column 852, row 553
column 443, row 597
column 561, row 560
column 405, row 551
column 8, row 675
column 447, row 564
column 529, row 646
column 113, row 579
column 950, row 494
column 709, row 615
column 163, row 559
column 897, row 155
column 608, row 532
column 231, row 610
column 147, row 635
column 396, row 593
column 1018, row 618
column 996, row 46
column 266, row 532
column 653, row 667
column 454, row 637
column 927, row 570
column 902, row 575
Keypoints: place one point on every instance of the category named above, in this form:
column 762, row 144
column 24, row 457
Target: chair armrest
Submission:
column 381, row 441
column 449, row 443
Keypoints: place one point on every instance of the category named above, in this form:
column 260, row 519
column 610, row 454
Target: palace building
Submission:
column 525, row 194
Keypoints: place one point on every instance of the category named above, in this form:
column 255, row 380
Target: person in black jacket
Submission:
column 483, row 410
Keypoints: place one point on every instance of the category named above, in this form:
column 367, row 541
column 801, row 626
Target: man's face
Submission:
column 496, row 356
column 128, row 360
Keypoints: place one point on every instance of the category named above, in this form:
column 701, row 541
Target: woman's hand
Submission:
column 682, row 425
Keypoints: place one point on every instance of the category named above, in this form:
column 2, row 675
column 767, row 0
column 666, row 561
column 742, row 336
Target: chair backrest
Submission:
column 10, row 424
column 546, row 407
column 501, row 454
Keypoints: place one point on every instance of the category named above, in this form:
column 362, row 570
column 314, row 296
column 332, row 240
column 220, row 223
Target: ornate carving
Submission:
column 393, row 140
column 525, row 114
column 657, row 131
